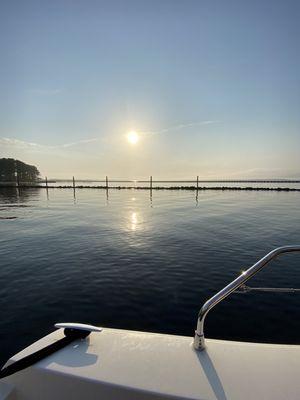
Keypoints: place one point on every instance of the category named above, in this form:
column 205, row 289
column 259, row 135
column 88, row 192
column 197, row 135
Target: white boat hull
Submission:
column 126, row 365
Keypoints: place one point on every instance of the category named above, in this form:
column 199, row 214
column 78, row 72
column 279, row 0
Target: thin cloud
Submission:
column 79, row 142
column 17, row 143
column 179, row 127
column 12, row 142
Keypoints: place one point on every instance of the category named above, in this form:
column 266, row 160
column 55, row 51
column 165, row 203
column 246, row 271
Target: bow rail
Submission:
column 199, row 340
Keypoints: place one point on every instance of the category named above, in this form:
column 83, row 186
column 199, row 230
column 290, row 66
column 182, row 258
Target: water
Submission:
column 127, row 260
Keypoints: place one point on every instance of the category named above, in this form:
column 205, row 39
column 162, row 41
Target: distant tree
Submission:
column 14, row 170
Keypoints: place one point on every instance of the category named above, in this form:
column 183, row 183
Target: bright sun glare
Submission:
column 132, row 137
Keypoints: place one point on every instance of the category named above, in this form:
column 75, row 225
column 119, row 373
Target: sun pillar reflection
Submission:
column 134, row 220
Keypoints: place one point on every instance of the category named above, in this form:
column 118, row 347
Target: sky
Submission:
column 211, row 88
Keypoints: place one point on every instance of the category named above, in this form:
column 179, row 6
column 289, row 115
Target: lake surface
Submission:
column 127, row 260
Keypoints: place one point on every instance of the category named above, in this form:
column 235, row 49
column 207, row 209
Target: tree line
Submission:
column 12, row 170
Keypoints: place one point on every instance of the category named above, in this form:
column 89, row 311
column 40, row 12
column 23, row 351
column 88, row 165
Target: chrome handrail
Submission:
column 199, row 340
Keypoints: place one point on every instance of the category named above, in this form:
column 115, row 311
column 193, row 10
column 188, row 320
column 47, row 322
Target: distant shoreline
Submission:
column 190, row 188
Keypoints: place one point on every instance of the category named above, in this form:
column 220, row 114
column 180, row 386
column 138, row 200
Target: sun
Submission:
column 133, row 137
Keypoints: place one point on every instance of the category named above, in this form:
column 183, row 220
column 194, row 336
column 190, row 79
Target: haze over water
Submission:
column 128, row 260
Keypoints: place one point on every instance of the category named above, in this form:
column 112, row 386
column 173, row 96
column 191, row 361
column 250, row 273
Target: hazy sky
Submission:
column 212, row 88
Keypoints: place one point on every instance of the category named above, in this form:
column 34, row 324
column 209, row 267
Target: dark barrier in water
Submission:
column 195, row 188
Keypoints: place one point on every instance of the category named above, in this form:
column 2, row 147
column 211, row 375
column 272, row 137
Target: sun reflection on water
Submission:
column 134, row 221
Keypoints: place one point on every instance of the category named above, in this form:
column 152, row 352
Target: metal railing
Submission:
column 199, row 340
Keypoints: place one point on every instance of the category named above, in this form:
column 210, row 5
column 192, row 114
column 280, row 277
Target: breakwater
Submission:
column 191, row 188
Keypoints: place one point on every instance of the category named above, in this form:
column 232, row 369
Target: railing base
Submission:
column 199, row 343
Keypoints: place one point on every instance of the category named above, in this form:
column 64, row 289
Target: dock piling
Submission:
column 47, row 192
column 74, row 191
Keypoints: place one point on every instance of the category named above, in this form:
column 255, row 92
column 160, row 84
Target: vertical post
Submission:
column 197, row 189
column 16, row 174
column 47, row 188
column 106, row 189
column 151, row 191
column 74, row 186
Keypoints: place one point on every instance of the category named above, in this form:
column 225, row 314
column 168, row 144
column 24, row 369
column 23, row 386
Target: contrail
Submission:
column 179, row 127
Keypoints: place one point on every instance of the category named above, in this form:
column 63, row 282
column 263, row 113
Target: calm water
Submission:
column 135, row 262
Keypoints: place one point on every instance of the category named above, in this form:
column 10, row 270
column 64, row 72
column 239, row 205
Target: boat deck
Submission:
column 119, row 364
